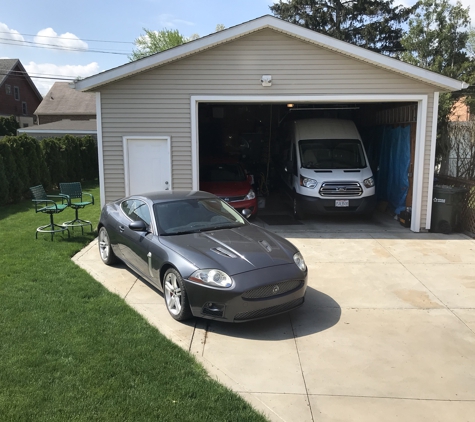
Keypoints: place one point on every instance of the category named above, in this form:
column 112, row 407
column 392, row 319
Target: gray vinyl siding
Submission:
column 157, row 102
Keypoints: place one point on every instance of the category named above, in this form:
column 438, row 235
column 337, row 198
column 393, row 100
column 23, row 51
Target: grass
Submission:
column 72, row 351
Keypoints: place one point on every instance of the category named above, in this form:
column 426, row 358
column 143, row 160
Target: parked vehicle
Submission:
column 205, row 257
column 228, row 179
column 326, row 169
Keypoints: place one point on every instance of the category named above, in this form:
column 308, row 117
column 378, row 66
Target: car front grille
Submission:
column 273, row 310
column 341, row 189
column 273, row 290
column 233, row 198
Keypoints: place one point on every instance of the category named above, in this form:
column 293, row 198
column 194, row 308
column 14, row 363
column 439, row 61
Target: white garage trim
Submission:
column 421, row 100
column 126, row 139
column 430, row 195
column 100, row 152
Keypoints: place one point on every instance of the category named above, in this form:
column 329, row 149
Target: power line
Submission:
column 18, row 74
column 55, row 47
column 82, row 39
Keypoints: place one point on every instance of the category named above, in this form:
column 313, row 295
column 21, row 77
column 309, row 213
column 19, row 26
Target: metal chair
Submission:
column 74, row 192
column 49, row 204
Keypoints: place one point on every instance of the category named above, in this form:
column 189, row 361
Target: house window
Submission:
column 16, row 91
column 8, row 89
column 23, row 108
column 25, row 125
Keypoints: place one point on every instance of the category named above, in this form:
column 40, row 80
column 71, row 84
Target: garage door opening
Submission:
column 251, row 133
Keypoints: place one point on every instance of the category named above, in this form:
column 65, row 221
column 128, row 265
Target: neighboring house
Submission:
column 65, row 103
column 61, row 128
column 155, row 114
column 19, row 96
column 460, row 112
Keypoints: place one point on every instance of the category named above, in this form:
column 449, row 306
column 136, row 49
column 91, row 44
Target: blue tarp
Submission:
column 389, row 154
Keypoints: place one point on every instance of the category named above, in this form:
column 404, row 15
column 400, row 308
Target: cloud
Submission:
column 169, row 21
column 10, row 34
column 52, row 70
column 66, row 40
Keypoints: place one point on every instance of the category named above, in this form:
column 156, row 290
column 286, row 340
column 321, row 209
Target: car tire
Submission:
column 105, row 249
column 174, row 293
column 296, row 209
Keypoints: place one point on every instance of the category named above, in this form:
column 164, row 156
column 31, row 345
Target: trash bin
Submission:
column 446, row 207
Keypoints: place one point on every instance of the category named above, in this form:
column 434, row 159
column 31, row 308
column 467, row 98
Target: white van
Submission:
column 326, row 169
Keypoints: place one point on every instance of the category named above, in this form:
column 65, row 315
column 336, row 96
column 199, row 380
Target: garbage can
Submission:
column 446, row 207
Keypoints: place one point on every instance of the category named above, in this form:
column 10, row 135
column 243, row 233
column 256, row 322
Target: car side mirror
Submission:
column 246, row 212
column 138, row 226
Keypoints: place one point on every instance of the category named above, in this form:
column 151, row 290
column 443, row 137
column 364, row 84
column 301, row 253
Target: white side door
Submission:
column 147, row 164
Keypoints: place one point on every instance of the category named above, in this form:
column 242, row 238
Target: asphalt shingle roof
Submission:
column 64, row 100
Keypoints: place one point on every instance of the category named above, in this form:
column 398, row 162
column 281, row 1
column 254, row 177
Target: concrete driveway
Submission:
column 387, row 332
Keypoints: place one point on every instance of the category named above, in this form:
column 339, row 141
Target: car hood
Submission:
column 226, row 188
column 234, row 251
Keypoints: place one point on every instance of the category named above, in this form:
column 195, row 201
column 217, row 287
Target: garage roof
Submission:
column 269, row 22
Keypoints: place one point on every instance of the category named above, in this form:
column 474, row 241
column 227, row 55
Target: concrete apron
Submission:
column 387, row 332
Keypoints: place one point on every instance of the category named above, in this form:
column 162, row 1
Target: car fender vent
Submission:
column 265, row 245
column 224, row 252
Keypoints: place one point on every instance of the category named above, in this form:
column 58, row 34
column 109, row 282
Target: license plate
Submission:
column 342, row 203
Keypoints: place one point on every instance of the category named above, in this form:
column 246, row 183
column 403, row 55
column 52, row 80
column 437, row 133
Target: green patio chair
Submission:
column 76, row 201
column 49, row 204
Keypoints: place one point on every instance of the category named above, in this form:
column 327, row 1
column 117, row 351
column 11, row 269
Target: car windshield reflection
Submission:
column 195, row 215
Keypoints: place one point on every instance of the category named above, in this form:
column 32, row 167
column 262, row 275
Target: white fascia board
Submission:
column 325, row 41
column 59, row 131
column 100, row 151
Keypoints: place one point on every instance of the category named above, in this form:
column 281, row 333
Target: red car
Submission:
column 229, row 181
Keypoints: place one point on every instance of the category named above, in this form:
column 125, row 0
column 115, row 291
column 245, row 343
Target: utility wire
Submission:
column 82, row 39
column 55, row 47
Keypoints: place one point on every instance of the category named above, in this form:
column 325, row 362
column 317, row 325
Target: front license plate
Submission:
column 342, row 203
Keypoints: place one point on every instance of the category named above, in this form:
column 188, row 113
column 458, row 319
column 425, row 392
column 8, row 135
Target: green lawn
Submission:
column 72, row 351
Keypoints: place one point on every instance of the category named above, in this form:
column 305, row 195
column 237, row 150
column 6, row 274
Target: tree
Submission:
column 372, row 24
column 8, row 126
column 155, row 41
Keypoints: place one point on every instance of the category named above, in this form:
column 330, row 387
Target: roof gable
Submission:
column 8, row 66
column 93, row 83
column 61, row 99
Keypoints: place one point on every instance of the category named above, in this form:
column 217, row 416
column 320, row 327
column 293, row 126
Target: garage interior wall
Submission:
column 157, row 102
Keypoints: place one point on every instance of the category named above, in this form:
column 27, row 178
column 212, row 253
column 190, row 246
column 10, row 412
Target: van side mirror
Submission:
column 288, row 166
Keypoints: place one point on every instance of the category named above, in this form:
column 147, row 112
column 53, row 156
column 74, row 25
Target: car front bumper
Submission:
column 315, row 205
column 256, row 294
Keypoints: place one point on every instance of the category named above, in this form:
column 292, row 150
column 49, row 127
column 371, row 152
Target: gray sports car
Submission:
column 205, row 257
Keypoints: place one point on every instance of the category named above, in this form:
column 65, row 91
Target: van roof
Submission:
column 325, row 129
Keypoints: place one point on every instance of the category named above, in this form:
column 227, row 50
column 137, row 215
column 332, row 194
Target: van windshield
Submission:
column 331, row 154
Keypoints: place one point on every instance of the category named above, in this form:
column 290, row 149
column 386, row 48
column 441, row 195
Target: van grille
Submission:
column 341, row 189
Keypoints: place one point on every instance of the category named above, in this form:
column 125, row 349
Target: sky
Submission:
column 63, row 40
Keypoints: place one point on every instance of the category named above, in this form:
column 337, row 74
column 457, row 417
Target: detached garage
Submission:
column 228, row 93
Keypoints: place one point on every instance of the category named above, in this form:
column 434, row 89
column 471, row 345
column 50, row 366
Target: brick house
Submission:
column 18, row 94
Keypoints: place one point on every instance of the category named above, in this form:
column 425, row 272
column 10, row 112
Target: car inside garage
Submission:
column 254, row 135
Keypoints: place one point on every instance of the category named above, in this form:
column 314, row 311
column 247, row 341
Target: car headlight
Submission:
column 215, row 278
column 369, row 182
column 299, row 261
column 307, row 182
column 250, row 195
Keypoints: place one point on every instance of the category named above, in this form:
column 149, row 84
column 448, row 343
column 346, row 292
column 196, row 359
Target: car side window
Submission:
column 136, row 210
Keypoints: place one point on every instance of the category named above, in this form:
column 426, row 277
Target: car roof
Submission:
column 173, row 195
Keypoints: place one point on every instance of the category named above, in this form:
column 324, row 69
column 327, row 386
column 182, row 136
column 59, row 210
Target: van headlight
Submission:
column 369, row 182
column 299, row 261
column 250, row 195
column 307, row 182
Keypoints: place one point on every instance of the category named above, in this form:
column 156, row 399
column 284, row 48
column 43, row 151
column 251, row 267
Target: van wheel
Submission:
column 297, row 211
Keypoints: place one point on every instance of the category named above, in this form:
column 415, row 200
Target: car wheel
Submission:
column 105, row 249
column 175, row 296
column 297, row 211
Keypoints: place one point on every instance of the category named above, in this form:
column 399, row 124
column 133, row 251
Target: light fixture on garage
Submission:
column 266, row 80
column 290, row 105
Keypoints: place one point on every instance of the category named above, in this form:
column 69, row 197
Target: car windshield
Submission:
column 332, row 154
column 195, row 215
column 227, row 172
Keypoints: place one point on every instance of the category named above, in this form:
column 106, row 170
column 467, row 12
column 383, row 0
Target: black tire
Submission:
column 105, row 249
column 174, row 293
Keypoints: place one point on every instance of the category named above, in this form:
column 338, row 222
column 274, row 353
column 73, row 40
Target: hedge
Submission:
column 25, row 162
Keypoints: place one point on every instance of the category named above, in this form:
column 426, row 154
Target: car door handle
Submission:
column 121, row 228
